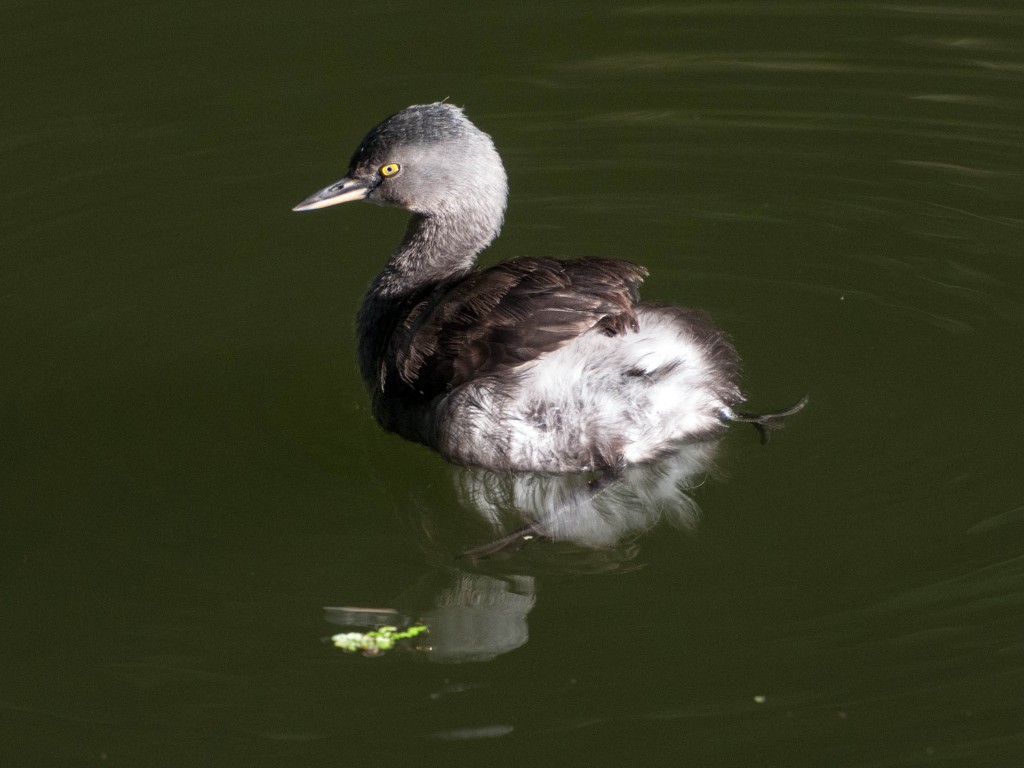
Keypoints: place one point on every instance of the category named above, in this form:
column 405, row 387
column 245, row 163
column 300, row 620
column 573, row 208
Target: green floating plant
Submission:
column 377, row 641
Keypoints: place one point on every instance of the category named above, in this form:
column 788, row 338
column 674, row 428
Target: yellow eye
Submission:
column 389, row 170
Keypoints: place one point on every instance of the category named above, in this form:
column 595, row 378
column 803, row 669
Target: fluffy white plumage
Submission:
column 597, row 402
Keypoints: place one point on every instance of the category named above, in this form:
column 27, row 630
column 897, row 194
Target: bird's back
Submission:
column 546, row 365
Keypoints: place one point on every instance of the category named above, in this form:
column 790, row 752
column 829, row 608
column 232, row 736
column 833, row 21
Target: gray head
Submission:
column 428, row 159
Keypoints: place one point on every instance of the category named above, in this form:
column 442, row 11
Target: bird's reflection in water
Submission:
column 590, row 512
column 475, row 602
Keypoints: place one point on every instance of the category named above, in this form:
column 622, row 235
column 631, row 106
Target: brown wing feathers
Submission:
column 509, row 315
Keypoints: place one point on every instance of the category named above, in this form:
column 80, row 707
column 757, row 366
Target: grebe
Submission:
column 536, row 364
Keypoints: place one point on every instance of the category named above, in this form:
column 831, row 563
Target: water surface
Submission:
column 189, row 474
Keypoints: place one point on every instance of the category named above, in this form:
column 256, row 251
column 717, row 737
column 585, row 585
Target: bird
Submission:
column 536, row 364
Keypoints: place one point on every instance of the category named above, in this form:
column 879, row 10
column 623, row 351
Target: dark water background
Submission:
column 189, row 475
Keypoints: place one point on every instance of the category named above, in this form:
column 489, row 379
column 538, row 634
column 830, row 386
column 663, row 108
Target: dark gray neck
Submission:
column 435, row 249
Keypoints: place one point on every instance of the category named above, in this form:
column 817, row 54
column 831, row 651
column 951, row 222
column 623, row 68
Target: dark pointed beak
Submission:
column 341, row 192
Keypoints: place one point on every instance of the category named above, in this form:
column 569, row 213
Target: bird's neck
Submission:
column 435, row 249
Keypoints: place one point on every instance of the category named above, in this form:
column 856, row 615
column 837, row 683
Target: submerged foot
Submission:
column 765, row 423
column 504, row 547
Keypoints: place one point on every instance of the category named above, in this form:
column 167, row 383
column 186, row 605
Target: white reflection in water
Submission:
column 569, row 508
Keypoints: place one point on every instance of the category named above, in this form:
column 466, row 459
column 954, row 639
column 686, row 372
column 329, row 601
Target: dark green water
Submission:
column 189, row 475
